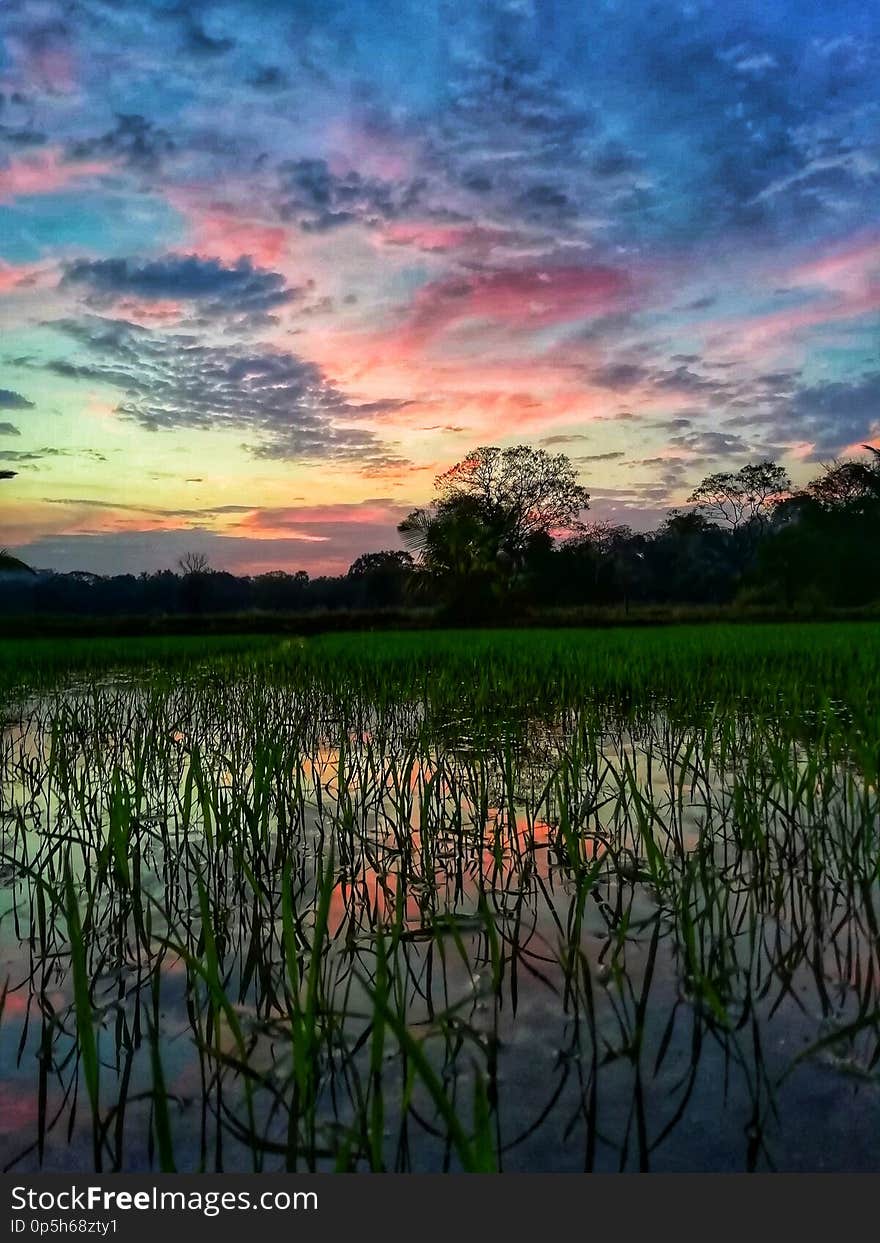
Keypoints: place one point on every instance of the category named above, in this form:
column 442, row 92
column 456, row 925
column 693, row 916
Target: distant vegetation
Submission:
column 507, row 534
column 12, row 565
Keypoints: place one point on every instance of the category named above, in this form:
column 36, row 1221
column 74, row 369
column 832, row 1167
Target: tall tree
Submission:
column 196, row 575
column 526, row 491
column 492, row 509
column 847, row 482
column 743, row 498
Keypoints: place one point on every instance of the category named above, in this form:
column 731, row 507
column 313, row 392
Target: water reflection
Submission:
column 601, row 941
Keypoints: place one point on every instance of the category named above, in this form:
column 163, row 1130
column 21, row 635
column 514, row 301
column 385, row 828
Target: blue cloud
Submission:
column 10, row 400
column 241, row 288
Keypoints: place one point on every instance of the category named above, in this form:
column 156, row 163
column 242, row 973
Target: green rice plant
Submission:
column 497, row 900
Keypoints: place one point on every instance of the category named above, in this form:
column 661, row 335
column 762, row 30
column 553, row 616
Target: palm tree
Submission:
column 458, row 546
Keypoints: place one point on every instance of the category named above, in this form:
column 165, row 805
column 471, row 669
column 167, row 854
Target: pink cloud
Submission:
column 317, row 538
column 311, row 522
column 388, row 156
column 762, row 331
column 839, row 285
column 223, row 234
column 851, row 268
column 17, row 276
column 43, row 172
column 142, row 311
column 474, row 240
column 525, row 298
column 503, row 390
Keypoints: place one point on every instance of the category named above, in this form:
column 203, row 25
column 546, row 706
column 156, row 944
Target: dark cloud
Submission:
column 563, row 438
column 9, row 429
column 712, row 444
column 240, row 289
column 605, row 327
column 17, row 122
column 676, row 464
column 268, row 78
column 675, row 424
column 206, row 511
column 282, row 403
column 133, row 141
column 598, row 457
column 619, row 376
column 683, row 379
column 320, row 200
column 831, row 415
column 508, row 113
column 624, row 375
column 10, row 400
column 545, row 200
column 614, row 160
column 200, row 43
column 670, row 473
column 29, row 456
column 516, row 144
column 23, row 137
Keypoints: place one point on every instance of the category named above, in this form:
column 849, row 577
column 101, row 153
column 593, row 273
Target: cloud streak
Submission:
column 282, row 404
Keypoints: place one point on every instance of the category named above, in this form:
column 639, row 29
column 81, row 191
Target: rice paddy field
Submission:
column 514, row 901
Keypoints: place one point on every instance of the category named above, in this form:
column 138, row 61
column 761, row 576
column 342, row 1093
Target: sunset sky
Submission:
column 266, row 268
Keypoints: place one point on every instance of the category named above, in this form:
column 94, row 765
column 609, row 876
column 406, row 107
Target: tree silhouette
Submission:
column 197, row 573
column 506, row 531
column 529, row 491
column 493, row 509
column 194, row 563
column 382, row 576
column 742, row 498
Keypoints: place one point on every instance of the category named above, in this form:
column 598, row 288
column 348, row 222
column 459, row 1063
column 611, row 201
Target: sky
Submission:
column 267, row 267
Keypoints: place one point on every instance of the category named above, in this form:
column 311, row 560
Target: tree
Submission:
column 744, row 498
column 381, row 577
column 847, row 482
column 458, row 549
column 494, row 510
column 690, row 559
column 619, row 554
column 529, row 490
column 196, row 570
column 828, row 551
column 194, row 563
column 396, row 561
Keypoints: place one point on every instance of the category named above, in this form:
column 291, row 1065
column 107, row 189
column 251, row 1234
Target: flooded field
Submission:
column 556, row 903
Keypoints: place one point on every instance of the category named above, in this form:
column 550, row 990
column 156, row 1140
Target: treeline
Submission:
column 195, row 588
column 508, row 532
